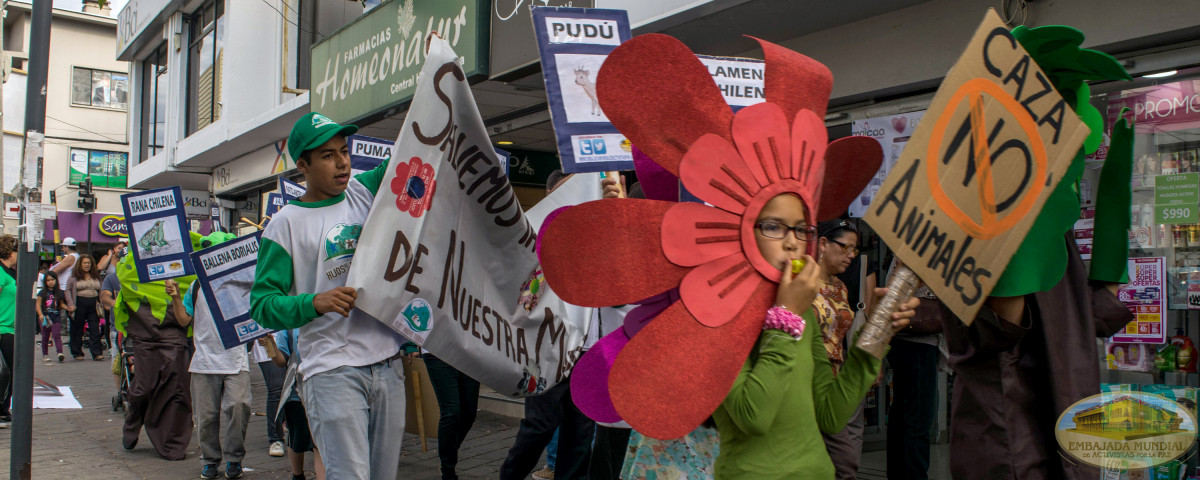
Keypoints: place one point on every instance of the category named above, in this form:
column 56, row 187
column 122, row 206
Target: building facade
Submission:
column 87, row 106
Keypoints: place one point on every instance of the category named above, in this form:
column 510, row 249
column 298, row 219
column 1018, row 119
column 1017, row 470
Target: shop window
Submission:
column 206, row 50
column 99, row 88
column 107, row 169
column 154, row 102
column 1164, row 235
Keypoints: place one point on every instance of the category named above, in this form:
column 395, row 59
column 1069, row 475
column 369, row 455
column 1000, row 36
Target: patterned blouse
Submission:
column 833, row 311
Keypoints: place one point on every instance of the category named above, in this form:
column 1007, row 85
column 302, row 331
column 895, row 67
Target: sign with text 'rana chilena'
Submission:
column 372, row 64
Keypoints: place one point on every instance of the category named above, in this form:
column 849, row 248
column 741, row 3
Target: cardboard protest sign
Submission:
column 225, row 274
column 573, row 43
column 993, row 145
column 452, row 263
column 158, row 230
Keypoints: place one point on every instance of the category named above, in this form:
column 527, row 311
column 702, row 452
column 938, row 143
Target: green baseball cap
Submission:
column 312, row 130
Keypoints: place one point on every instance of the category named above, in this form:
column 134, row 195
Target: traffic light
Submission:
column 87, row 199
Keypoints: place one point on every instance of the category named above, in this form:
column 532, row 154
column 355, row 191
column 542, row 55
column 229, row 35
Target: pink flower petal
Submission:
column 649, row 309
column 764, row 141
column 589, row 378
column 717, row 291
column 714, row 171
column 695, row 234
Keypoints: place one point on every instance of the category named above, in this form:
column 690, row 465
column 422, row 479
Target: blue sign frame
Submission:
column 290, row 190
column 156, row 220
column 582, row 139
column 366, row 153
column 274, row 204
column 220, row 264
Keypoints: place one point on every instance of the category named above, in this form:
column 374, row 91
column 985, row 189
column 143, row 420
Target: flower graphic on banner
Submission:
column 667, row 377
column 414, row 187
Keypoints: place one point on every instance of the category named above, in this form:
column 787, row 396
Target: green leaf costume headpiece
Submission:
column 1041, row 260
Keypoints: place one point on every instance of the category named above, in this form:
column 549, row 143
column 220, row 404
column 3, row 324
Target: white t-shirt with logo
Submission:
column 211, row 356
column 316, row 241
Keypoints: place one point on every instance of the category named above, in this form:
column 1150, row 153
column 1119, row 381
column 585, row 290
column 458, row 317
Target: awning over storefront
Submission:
column 99, row 228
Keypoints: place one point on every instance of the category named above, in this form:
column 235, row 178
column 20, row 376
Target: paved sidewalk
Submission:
column 87, row 443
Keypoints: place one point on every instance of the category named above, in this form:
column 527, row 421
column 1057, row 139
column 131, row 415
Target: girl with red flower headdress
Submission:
column 708, row 350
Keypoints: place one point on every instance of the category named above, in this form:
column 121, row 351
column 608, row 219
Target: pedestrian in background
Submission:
column 8, row 316
column 554, row 409
column 458, row 402
column 65, row 268
column 220, row 382
column 83, row 295
column 273, row 379
column 51, row 300
column 838, row 246
column 281, row 350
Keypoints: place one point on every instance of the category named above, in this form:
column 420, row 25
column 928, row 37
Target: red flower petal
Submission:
column 808, row 161
column 795, row 82
column 850, row 163
column 762, row 137
column 809, row 139
column 676, row 372
column 609, row 252
column 658, row 94
column 716, row 291
column 714, row 171
column 697, row 234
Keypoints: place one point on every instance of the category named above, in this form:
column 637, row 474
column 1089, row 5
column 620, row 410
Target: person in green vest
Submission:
column 8, row 316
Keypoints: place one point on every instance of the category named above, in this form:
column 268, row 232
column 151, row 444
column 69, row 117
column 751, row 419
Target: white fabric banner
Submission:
column 446, row 256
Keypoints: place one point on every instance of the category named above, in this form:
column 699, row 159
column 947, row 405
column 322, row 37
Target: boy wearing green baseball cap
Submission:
column 353, row 380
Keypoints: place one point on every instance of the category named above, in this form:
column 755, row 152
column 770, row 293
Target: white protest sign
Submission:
column 452, row 253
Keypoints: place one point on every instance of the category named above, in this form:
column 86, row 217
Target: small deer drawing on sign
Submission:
column 589, row 87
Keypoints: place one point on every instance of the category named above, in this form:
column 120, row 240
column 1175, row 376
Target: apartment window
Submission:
column 154, row 102
column 300, row 25
column 107, row 169
column 99, row 88
column 206, row 49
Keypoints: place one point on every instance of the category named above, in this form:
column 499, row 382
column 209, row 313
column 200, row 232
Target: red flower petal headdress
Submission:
column 669, row 377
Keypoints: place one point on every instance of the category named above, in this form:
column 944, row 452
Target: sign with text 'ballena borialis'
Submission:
column 993, row 145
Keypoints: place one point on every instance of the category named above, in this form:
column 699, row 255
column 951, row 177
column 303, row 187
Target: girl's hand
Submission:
column 172, row 289
column 798, row 290
column 71, row 309
column 903, row 315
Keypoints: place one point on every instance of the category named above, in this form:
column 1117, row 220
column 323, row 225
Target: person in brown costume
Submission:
column 1027, row 358
column 1023, row 362
column 160, row 393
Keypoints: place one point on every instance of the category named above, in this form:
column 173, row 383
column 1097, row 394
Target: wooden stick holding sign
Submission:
column 965, row 191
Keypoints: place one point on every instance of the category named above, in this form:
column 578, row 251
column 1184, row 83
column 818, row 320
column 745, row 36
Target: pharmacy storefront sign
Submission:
column 372, row 64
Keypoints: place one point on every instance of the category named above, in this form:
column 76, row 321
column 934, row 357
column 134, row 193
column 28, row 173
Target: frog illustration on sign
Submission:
column 153, row 238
